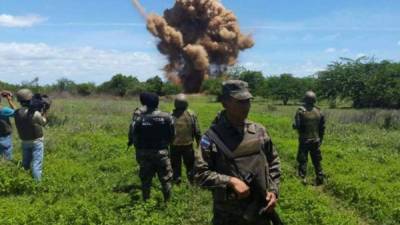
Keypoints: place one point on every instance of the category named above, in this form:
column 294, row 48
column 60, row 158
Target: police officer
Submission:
column 238, row 162
column 30, row 129
column 310, row 124
column 152, row 133
column 186, row 129
column 6, row 146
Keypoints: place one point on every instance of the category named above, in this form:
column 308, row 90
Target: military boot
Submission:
column 320, row 179
column 167, row 195
column 145, row 194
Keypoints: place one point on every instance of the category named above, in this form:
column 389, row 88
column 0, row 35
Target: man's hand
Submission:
column 272, row 200
column 240, row 187
column 10, row 100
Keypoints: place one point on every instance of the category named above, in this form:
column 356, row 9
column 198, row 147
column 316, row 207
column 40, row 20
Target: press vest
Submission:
column 28, row 130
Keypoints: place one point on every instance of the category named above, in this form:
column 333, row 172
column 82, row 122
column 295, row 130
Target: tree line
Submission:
column 363, row 81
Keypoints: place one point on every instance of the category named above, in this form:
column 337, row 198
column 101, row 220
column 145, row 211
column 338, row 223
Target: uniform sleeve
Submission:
column 274, row 166
column 130, row 133
column 197, row 131
column 296, row 123
column 322, row 127
column 204, row 173
column 7, row 112
column 39, row 119
column 172, row 128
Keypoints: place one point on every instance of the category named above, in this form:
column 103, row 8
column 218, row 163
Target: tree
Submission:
column 119, row 85
column 254, row 79
column 154, row 84
column 65, row 84
column 283, row 87
column 85, row 89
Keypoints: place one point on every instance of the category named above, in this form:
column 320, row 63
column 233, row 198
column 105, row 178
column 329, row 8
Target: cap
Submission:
column 236, row 89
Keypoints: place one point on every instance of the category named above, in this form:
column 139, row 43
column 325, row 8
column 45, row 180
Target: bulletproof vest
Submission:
column 153, row 130
column 27, row 129
column 309, row 124
column 5, row 127
column 183, row 129
column 248, row 156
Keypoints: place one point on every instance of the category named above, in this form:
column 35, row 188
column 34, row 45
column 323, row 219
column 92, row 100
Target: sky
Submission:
column 90, row 41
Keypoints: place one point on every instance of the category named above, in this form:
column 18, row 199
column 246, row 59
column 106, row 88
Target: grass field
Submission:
column 90, row 177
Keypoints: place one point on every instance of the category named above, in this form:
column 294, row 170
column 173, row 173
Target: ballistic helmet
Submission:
column 24, row 95
column 181, row 102
column 310, row 97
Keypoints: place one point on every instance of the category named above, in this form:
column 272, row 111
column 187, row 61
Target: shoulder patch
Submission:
column 205, row 142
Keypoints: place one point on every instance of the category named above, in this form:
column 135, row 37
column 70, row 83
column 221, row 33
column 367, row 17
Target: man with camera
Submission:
column 6, row 146
column 29, row 120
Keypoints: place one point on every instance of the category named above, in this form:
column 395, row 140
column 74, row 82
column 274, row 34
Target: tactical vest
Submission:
column 183, row 129
column 309, row 124
column 153, row 130
column 5, row 127
column 27, row 129
column 249, row 159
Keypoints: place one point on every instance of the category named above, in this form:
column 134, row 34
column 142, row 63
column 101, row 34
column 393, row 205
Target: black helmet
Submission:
column 149, row 99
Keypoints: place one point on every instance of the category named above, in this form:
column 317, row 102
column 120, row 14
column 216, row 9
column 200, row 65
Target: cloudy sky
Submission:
column 93, row 40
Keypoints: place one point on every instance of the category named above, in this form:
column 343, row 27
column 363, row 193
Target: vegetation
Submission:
column 90, row 177
column 364, row 82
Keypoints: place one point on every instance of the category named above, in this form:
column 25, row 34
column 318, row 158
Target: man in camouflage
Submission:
column 186, row 129
column 136, row 113
column 310, row 124
column 152, row 133
column 238, row 162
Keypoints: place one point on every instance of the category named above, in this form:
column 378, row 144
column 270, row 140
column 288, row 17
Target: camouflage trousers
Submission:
column 154, row 162
column 186, row 153
column 225, row 218
column 312, row 147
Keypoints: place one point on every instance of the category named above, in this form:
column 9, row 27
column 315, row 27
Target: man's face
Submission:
column 239, row 109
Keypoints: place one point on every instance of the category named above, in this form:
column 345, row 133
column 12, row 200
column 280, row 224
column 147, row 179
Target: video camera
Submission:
column 40, row 103
column 5, row 94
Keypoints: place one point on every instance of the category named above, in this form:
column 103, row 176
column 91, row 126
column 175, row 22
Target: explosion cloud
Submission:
column 197, row 35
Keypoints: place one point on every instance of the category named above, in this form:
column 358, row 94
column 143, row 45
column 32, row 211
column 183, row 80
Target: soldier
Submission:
column 136, row 113
column 152, row 133
column 186, row 129
column 6, row 146
column 310, row 124
column 238, row 162
column 30, row 129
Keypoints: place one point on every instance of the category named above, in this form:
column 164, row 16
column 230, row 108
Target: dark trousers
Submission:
column 312, row 147
column 153, row 162
column 187, row 154
column 223, row 218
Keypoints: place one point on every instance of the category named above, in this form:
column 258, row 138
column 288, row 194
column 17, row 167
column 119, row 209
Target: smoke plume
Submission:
column 197, row 35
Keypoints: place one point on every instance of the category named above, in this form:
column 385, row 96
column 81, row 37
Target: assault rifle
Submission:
column 258, row 204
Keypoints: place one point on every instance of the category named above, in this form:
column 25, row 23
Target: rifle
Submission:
column 258, row 205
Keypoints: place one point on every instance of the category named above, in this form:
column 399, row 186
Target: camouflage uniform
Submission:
column 310, row 124
column 152, row 132
column 136, row 113
column 186, row 129
column 253, row 153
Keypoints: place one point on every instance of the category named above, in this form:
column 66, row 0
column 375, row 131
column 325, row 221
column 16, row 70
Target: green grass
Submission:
column 90, row 177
